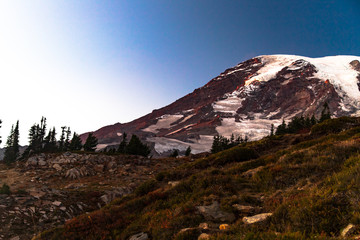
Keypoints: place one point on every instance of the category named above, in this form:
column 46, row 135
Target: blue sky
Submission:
column 87, row 64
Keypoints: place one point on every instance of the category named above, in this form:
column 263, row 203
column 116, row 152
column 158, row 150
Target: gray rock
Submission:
column 256, row 218
column 32, row 161
column 139, row 236
column 42, row 162
column 250, row 173
column 244, row 208
column 173, row 183
column 57, row 167
column 213, row 212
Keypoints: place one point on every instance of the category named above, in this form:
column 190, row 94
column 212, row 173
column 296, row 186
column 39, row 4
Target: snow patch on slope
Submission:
column 163, row 144
column 164, row 121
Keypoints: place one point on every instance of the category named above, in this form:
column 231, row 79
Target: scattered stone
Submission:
column 256, row 218
column 99, row 168
column 15, row 238
column 41, row 162
column 56, row 203
column 72, row 173
column 244, row 208
column 139, row 236
column 204, row 236
column 173, row 183
column 348, row 230
column 32, row 161
column 204, row 226
column 57, row 167
column 213, row 212
column 36, row 193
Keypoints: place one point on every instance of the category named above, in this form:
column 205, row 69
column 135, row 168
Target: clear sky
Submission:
column 87, row 64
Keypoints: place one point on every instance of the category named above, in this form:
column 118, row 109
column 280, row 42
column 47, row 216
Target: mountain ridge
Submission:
column 245, row 100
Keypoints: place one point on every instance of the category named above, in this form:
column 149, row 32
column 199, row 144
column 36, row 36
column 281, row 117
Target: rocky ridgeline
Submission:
column 49, row 189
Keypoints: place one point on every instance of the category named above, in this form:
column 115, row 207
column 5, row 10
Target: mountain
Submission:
column 245, row 100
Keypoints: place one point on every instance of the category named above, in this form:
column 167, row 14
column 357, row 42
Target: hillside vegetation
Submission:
column 308, row 184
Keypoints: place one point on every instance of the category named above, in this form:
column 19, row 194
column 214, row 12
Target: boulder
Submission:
column 42, row 162
column 57, row 167
column 204, row 236
column 256, row 218
column 243, row 208
column 32, row 161
column 213, row 212
column 139, row 236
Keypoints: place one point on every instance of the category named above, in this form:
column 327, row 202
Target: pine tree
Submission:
column 272, row 130
column 175, row 153
column 90, row 143
column 136, row 147
column 325, row 113
column 62, row 139
column 123, row 144
column 12, row 145
column 67, row 140
column 75, row 144
column 188, row 151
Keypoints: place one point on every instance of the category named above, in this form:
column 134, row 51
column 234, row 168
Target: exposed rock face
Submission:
column 213, row 212
column 49, row 189
column 246, row 100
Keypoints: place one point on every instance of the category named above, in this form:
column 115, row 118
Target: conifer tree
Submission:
column 136, row 147
column 62, row 139
column 75, row 144
column 175, row 153
column 90, row 143
column 188, row 151
column 67, row 139
column 12, row 145
column 0, row 127
column 325, row 113
column 123, row 144
column 272, row 130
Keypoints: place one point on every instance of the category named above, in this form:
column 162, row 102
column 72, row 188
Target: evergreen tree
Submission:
column 50, row 141
column 123, row 144
column 90, row 143
column 136, row 147
column 12, row 145
column 67, row 139
column 75, row 144
column 175, row 153
column 325, row 113
column 188, row 151
column 272, row 130
column 281, row 129
column 62, row 139
column 36, row 137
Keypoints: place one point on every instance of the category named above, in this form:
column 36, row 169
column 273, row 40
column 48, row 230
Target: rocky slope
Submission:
column 246, row 100
column 294, row 186
column 49, row 189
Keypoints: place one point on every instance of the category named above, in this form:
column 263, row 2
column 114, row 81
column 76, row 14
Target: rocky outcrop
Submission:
column 213, row 212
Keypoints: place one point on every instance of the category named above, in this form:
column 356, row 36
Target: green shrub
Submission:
column 5, row 189
column 145, row 187
column 334, row 125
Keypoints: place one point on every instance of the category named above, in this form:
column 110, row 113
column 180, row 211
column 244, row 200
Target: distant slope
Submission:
column 246, row 100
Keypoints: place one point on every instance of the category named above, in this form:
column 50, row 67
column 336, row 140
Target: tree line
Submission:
column 42, row 140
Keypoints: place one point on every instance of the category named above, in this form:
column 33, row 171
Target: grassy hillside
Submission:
column 309, row 182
